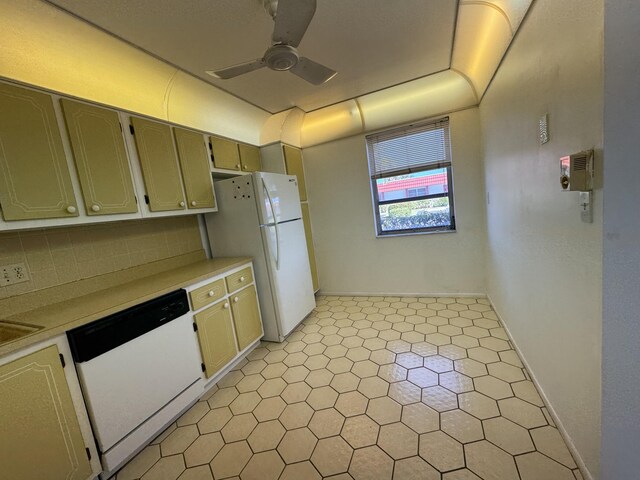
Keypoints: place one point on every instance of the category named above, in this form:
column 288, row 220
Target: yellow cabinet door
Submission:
column 249, row 158
column 215, row 334
column 101, row 158
column 194, row 164
column 225, row 153
column 39, row 430
column 306, row 219
column 246, row 316
column 34, row 176
column 159, row 165
column 293, row 162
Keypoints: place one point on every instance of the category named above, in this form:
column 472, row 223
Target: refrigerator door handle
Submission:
column 264, row 186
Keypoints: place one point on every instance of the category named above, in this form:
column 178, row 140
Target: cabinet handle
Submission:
column 242, row 279
column 181, row 204
column 193, row 203
column 244, row 166
column 226, row 305
column 212, row 293
column 95, row 208
column 71, row 209
column 235, row 299
column 237, row 165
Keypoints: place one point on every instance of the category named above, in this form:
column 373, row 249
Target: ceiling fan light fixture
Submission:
column 281, row 57
column 292, row 17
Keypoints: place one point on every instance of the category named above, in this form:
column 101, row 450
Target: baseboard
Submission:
column 325, row 293
column 565, row 435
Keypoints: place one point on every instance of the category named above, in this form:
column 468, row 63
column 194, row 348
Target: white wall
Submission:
column 350, row 257
column 544, row 266
column 621, row 327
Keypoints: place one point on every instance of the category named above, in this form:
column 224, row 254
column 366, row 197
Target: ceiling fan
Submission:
column 292, row 17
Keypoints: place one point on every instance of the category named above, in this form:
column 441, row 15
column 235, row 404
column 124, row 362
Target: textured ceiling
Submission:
column 373, row 44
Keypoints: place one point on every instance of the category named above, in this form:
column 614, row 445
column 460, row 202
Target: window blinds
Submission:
column 409, row 149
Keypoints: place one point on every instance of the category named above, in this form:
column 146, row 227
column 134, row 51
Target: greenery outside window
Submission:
column 411, row 179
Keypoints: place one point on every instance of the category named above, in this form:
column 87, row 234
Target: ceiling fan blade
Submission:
column 235, row 70
column 292, row 19
column 313, row 72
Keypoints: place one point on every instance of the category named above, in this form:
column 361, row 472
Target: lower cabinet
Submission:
column 39, row 430
column 225, row 328
column 215, row 334
column 246, row 316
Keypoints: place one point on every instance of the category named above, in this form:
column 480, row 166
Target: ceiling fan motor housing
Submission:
column 281, row 57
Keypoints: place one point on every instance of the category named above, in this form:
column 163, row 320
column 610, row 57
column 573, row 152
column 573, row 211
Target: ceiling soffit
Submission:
column 484, row 32
column 373, row 44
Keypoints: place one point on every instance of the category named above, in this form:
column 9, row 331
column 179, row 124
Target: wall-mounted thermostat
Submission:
column 576, row 172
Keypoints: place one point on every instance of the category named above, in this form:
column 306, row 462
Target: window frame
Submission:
column 451, row 228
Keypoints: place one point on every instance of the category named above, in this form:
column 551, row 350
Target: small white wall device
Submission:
column 576, row 175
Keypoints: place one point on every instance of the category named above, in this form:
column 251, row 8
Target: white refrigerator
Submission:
column 259, row 216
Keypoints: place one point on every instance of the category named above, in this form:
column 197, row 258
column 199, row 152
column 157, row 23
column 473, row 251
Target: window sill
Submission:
column 430, row 232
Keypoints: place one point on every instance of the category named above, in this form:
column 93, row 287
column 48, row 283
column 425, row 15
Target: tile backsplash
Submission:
column 57, row 256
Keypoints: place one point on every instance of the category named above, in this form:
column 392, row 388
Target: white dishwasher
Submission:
column 138, row 369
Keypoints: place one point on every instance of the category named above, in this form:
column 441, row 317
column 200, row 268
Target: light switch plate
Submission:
column 544, row 128
column 12, row 274
column 586, row 207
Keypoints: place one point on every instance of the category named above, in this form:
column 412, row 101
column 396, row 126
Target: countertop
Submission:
column 56, row 318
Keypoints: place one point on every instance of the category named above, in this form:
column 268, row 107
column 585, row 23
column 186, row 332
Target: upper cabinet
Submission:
column 249, row 158
column 194, row 163
column 34, row 175
column 293, row 162
column 224, row 153
column 100, row 157
column 229, row 155
column 69, row 162
column 159, row 164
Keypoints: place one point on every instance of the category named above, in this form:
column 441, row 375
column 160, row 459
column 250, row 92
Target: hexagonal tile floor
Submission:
column 379, row 388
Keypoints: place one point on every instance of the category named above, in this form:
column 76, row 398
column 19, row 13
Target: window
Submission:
column 411, row 179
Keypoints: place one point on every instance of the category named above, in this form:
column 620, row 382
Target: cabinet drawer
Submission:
column 207, row 294
column 238, row 280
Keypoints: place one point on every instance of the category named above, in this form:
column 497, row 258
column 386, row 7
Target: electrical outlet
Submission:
column 12, row 274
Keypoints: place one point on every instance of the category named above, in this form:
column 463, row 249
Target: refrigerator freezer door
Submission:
column 291, row 281
column 277, row 197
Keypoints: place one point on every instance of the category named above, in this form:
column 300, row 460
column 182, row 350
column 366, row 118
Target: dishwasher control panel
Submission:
column 96, row 338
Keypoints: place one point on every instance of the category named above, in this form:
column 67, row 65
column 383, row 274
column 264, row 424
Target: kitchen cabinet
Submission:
column 68, row 162
column 238, row 280
column 34, row 176
column 249, row 158
column 293, row 162
column 227, row 318
column 209, row 293
column 100, row 156
column 194, row 164
column 40, row 433
column 246, row 316
column 306, row 219
column 216, row 337
column 224, row 153
column 229, row 155
column 157, row 155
